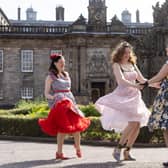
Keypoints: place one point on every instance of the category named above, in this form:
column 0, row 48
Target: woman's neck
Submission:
column 124, row 62
column 59, row 72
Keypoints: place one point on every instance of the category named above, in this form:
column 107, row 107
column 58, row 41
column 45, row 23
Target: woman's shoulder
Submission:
column 115, row 64
column 66, row 73
column 51, row 76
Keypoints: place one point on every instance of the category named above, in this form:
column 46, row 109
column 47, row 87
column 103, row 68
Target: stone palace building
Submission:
column 25, row 46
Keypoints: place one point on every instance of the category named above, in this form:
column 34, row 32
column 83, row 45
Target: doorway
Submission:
column 97, row 90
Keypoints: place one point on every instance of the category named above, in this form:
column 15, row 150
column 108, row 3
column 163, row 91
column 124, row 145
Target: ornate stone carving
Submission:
column 117, row 25
column 80, row 21
column 79, row 24
column 160, row 14
column 156, row 13
column 97, row 64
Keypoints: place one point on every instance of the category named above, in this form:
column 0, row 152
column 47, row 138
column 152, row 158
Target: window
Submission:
column 1, row 61
column 56, row 52
column 27, row 61
column 1, row 94
column 27, row 93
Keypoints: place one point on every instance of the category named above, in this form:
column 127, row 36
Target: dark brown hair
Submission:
column 119, row 51
column 53, row 69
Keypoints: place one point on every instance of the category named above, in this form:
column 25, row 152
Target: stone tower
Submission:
column 31, row 14
column 97, row 15
column 126, row 16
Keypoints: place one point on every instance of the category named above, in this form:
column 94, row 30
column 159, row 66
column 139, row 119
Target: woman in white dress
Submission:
column 123, row 110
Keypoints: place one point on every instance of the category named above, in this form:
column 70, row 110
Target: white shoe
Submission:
column 116, row 154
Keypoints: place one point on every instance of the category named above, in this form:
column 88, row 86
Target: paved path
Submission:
column 15, row 154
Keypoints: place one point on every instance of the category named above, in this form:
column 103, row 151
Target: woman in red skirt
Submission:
column 64, row 116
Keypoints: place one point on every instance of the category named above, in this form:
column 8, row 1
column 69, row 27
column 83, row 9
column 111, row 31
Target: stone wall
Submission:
column 87, row 60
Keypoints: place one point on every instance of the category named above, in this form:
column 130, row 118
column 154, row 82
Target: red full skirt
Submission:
column 62, row 119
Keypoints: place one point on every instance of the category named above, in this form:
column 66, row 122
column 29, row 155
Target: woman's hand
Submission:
column 139, row 86
column 155, row 85
column 52, row 97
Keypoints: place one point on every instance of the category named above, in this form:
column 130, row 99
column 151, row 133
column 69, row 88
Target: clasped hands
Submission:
column 147, row 84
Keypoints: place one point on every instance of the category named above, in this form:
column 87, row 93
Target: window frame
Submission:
column 26, row 92
column 60, row 51
column 22, row 63
column 1, row 94
column 1, row 51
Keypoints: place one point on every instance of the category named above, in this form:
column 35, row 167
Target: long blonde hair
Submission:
column 119, row 51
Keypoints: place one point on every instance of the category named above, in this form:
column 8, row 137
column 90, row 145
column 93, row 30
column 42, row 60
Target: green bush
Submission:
column 15, row 111
column 40, row 108
column 39, row 114
column 22, row 121
column 21, row 125
column 37, row 108
column 4, row 112
column 33, row 105
column 89, row 110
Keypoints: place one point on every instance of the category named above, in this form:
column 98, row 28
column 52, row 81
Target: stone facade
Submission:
column 87, row 60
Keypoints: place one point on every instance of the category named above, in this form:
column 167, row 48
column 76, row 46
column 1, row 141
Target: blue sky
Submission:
column 73, row 8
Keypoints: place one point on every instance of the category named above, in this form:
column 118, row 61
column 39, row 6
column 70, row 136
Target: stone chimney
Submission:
column 19, row 13
column 137, row 16
column 59, row 13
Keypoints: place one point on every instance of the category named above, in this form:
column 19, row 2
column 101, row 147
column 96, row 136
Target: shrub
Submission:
column 37, row 108
column 41, row 109
column 22, row 121
column 89, row 110
column 21, row 125
column 32, row 104
column 15, row 111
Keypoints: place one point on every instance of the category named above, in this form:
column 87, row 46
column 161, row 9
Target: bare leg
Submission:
column 60, row 142
column 124, row 138
column 125, row 134
column 77, row 139
column 134, row 134
column 165, row 134
column 131, row 140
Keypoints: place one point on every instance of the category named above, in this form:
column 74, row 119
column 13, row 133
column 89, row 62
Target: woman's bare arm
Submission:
column 160, row 75
column 48, row 82
column 121, row 79
column 140, row 77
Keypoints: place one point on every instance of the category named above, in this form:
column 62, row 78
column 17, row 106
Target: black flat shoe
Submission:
column 165, row 164
column 127, row 156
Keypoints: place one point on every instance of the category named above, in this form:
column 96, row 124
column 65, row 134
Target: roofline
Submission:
column 4, row 15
